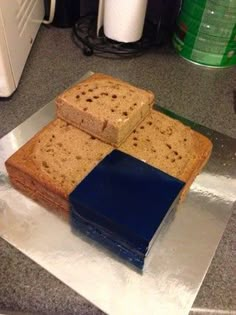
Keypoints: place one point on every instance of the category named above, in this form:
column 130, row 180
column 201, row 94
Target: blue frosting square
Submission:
column 126, row 198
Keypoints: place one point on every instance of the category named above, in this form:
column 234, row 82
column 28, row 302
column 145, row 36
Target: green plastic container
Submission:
column 206, row 32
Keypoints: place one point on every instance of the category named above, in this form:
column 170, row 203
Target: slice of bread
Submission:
column 53, row 162
column 105, row 107
column 169, row 145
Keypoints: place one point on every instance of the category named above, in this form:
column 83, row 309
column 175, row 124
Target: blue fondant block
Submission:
column 106, row 239
column 126, row 197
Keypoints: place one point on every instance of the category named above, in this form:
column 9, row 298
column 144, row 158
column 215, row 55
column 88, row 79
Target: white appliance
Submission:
column 19, row 24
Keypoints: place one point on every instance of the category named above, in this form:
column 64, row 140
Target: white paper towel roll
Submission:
column 124, row 19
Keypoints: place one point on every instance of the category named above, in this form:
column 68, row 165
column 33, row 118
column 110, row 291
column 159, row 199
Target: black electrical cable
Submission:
column 85, row 37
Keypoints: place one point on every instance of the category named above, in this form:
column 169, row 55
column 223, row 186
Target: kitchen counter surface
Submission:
column 207, row 96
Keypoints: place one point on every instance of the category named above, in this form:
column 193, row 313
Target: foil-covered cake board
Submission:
column 180, row 255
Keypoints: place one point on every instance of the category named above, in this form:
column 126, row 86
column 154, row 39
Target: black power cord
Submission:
column 85, row 37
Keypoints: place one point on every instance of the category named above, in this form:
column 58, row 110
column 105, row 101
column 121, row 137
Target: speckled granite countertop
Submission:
column 206, row 96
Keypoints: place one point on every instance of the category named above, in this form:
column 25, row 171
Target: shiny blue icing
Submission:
column 106, row 239
column 126, row 197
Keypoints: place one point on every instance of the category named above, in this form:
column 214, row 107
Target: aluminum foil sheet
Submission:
column 181, row 253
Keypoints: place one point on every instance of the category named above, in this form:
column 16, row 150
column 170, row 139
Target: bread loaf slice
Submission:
column 105, row 107
column 169, row 145
column 53, row 162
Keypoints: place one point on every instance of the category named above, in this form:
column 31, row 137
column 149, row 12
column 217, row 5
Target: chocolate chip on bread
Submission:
column 105, row 107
